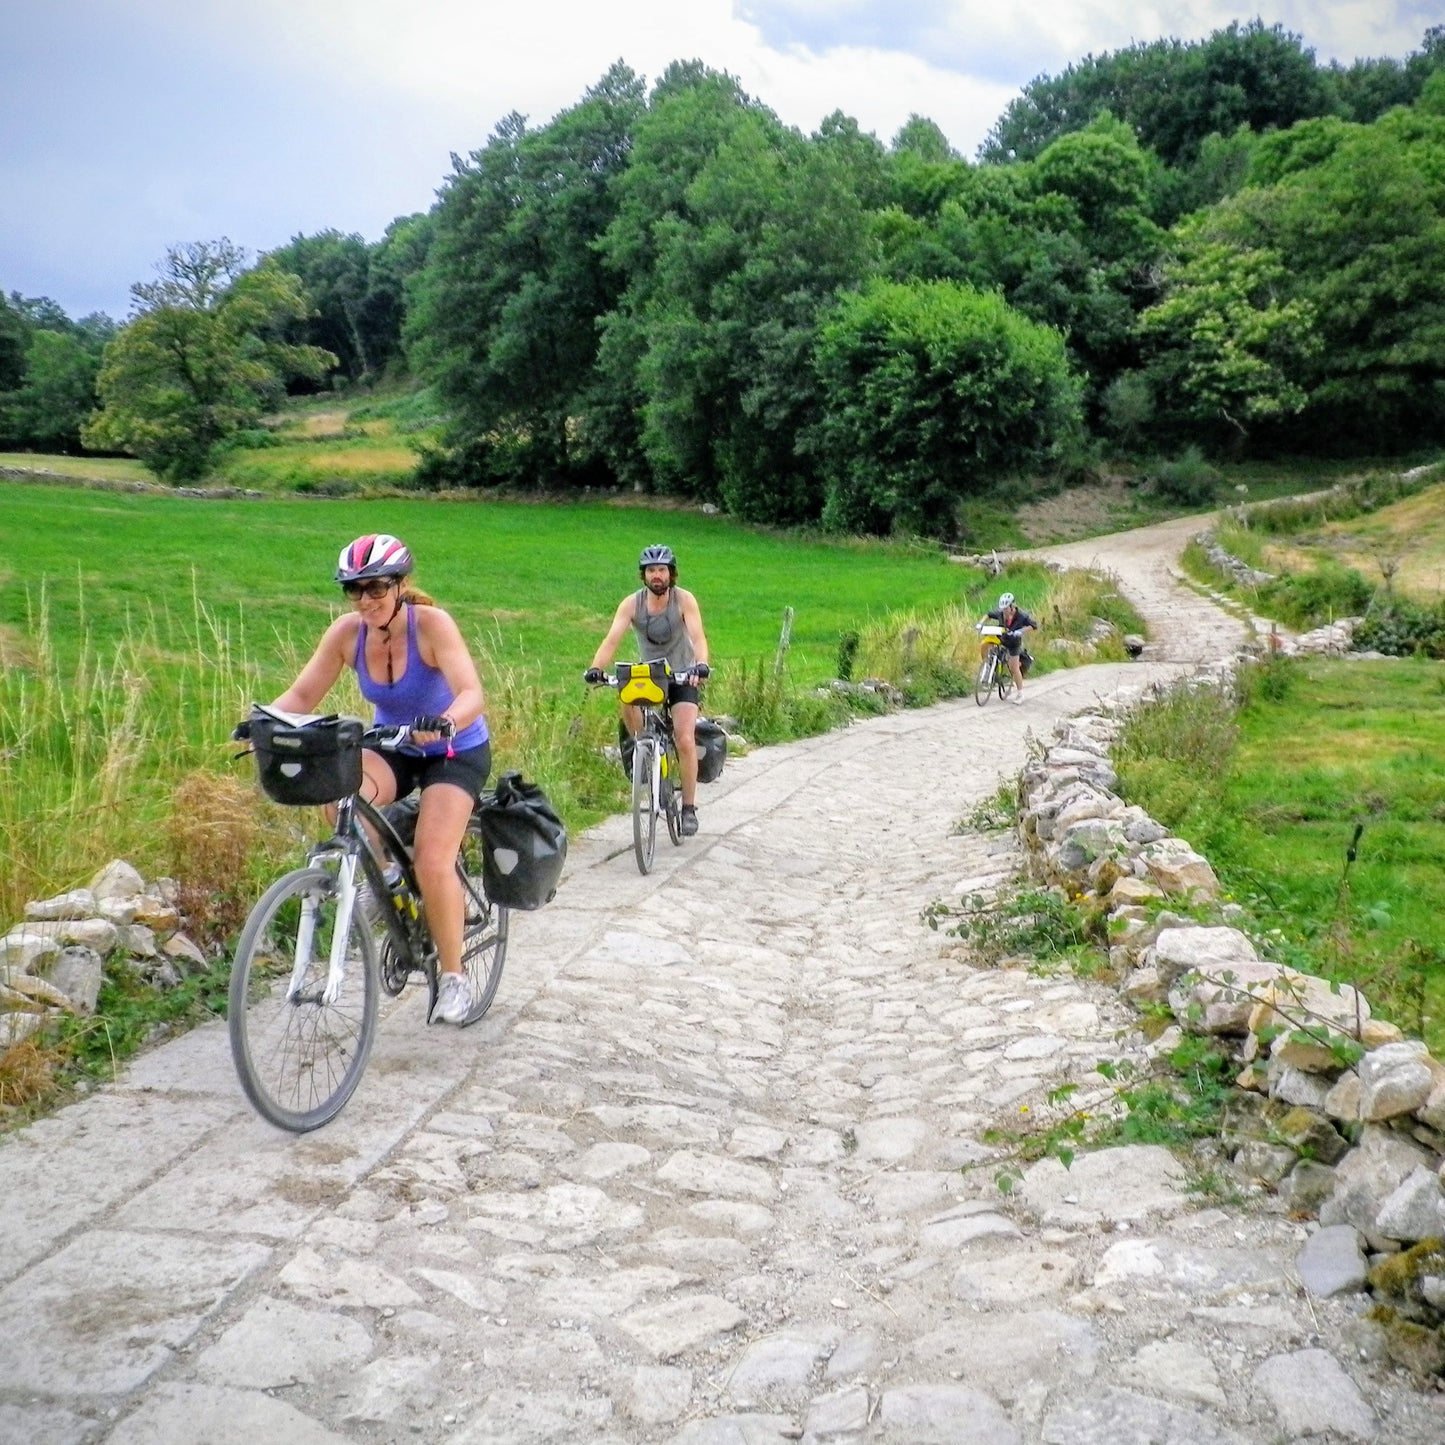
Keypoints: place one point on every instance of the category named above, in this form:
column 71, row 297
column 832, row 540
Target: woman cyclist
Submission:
column 414, row 668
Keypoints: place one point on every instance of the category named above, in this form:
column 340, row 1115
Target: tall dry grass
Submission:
column 91, row 751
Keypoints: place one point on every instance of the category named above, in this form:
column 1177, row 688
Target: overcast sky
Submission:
column 127, row 126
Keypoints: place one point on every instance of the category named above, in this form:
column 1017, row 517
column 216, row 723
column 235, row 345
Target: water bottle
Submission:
column 402, row 898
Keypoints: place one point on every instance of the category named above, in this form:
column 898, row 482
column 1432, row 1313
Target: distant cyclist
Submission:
column 668, row 625
column 413, row 666
column 1014, row 623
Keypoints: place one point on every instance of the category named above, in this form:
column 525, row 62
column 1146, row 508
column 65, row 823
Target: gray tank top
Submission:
column 662, row 635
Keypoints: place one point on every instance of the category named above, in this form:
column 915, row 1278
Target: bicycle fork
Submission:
column 306, row 935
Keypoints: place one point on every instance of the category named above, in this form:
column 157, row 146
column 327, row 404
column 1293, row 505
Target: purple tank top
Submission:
column 418, row 692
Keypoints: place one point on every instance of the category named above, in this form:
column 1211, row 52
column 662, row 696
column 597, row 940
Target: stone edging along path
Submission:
column 1338, row 1113
column 713, row 1171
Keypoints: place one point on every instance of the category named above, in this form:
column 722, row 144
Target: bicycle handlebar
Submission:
column 610, row 679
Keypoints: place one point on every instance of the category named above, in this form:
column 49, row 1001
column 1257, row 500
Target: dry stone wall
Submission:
column 1336, row 1110
column 53, row 962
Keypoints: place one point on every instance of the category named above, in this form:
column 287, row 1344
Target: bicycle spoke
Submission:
column 484, row 930
column 300, row 1059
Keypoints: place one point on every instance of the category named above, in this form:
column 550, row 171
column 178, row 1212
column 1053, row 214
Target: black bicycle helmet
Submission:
column 657, row 555
column 375, row 556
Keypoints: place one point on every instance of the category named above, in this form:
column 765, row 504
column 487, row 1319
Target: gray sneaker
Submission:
column 454, row 998
column 688, row 824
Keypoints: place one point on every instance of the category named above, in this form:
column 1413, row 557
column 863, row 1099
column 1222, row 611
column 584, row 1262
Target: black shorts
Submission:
column 681, row 692
column 467, row 769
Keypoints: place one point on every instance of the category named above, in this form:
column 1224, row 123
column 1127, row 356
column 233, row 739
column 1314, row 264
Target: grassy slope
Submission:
column 1354, row 743
column 1408, row 536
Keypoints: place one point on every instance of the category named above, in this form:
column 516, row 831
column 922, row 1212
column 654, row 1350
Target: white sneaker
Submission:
column 454, row 998
column 1018, row 698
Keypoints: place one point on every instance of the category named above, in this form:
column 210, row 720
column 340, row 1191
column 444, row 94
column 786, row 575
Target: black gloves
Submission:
column 429, row 724
column 701, row 670
column 594, row 675
column 242, row 733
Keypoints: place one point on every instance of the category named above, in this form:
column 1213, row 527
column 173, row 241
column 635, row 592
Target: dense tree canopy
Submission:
column 1218, row 243
column 506, row 311
column 1174, row 94
column 48, row 368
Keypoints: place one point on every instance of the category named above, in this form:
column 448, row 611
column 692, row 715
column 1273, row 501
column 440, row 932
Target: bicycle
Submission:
column 993, row 668
column 306, row 980
column 656, row 770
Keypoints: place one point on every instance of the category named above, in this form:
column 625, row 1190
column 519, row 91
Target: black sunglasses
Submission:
column 378, row 588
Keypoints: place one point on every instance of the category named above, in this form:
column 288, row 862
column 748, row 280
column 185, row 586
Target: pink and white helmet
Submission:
column 377, row 555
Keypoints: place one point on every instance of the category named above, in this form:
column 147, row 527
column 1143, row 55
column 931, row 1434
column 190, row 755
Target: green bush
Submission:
column 933, row 392
column 1312, row 599
column 1403, row 629
column 1188, row 482
column 250, row 439
column 1271, row 680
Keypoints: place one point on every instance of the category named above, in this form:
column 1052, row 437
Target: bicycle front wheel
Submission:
column 300, row 1057
column 644, row 815
column 983, row 683
column 484, row 928
column 672, row 793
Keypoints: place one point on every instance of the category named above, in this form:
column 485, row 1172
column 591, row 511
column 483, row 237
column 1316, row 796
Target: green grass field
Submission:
column 135, row 628
column 533, row 585
column 1322, row 747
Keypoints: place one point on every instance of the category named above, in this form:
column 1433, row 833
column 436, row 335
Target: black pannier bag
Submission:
column 308, row 763
column 626, row 743
column 712, row 750
column 524, row 845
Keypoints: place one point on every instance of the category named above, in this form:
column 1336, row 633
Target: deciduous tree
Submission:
column 933, row 392
column 200, row 359
column 505, row 315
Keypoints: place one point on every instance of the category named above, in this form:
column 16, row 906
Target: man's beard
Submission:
column 658, row 588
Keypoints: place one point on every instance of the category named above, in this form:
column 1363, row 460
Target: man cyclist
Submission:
column 1014, row 623
column 668, row 625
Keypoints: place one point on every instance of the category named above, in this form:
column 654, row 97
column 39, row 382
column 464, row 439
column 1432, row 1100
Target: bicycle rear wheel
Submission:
column 300, row 1058
column 983, row 683
column 672, row 793
column 644, row 815
column 484, row 928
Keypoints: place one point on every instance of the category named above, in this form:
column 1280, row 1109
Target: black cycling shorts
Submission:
column 467, row 769
column 681, row 692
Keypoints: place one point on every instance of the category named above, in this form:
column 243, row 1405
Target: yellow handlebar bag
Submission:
column 643, row 682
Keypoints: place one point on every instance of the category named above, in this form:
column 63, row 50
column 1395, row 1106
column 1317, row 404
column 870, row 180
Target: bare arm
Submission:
column 320, row 673
column 692, row 620
column 441, row 645
column 621, row 621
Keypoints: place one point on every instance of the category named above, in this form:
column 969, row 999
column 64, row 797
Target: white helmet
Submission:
column 376, row 555
column 1006, row 600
